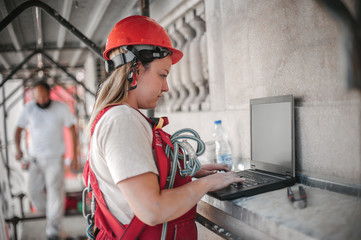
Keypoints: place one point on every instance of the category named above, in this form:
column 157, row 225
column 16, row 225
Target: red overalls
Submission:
column 110, row 228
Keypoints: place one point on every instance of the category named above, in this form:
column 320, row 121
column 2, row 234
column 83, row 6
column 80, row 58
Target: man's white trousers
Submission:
column 46, row 191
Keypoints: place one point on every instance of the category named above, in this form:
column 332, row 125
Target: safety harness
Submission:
column 170, row 153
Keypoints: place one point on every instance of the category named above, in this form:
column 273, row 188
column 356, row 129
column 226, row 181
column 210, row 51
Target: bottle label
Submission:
column 226, row 158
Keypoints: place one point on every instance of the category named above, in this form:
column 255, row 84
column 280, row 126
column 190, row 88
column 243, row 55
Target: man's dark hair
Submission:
column 43, row 84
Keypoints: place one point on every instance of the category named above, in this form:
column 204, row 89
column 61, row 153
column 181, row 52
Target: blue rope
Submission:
column 183, row 150
column 90, row 229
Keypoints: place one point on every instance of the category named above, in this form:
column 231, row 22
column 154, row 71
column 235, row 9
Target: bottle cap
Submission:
column 218, row 122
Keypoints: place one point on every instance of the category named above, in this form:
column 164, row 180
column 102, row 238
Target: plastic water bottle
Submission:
column 223, row 150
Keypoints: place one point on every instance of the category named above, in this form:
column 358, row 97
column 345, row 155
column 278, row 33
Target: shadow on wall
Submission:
column 352, row 39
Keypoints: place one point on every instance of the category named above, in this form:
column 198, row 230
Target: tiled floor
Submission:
column 74, row 228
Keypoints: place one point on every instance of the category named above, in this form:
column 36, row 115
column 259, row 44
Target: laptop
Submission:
column 272, row 149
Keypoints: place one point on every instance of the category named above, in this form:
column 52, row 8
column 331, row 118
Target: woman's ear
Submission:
column 139, row 68
column 133, row 76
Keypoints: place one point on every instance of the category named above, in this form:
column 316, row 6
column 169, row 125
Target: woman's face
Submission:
column 151, row 83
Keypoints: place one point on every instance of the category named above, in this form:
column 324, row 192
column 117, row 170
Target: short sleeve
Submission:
column 23, row 119
column 69, row 118
column 126, row 141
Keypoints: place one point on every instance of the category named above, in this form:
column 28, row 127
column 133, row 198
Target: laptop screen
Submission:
column 272, row 134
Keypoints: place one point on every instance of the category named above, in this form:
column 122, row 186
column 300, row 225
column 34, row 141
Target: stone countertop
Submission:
column 328, row 215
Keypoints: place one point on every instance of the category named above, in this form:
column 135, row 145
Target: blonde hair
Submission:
column 114, row 90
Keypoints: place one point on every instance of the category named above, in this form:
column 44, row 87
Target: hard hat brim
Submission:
column 176, row 55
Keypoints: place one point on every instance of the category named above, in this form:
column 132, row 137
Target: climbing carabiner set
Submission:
column 89, row 216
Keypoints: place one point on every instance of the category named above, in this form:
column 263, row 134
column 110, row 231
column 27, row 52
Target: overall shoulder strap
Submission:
column 160, row 140
column 134, row 228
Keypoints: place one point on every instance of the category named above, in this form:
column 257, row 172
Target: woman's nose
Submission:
column 165, row 87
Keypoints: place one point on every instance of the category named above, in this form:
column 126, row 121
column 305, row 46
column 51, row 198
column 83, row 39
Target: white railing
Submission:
column 188, row 80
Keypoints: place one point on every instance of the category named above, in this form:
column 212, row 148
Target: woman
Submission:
column 140, row 54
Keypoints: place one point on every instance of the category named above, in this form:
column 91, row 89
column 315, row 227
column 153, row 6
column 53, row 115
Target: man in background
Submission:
column 45, row 119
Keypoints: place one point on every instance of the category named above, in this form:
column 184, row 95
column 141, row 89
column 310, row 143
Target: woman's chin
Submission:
column 149, row 106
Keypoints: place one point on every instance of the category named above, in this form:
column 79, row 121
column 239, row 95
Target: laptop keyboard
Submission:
column 252, row 179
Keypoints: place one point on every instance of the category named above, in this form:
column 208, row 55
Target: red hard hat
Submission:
column 140, row 30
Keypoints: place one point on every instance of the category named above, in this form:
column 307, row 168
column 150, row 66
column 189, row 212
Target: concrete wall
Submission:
column 276, row 47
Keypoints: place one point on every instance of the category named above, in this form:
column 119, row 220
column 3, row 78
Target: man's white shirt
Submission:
column 46, row 128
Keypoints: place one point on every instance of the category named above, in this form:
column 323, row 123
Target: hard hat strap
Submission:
column 147, row 53
column 144, row 53
column 118, row 61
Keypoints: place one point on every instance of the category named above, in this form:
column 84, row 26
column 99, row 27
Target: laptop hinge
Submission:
column 253, row 167
column 288, row 174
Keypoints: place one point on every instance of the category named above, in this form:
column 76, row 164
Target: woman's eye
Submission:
column 163, row 75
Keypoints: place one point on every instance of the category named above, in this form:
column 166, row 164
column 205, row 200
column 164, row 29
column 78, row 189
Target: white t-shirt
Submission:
column 46, row 128
column 121, row 147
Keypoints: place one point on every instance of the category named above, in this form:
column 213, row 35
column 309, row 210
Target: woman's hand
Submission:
column 219, row 175
column 208, row 169
column 222, row 179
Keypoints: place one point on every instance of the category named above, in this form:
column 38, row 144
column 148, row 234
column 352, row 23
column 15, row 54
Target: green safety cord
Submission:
column 183, row 150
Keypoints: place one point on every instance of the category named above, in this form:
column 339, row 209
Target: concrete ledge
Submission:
column 227, row 223
column 328, row 215
column 334, row 185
